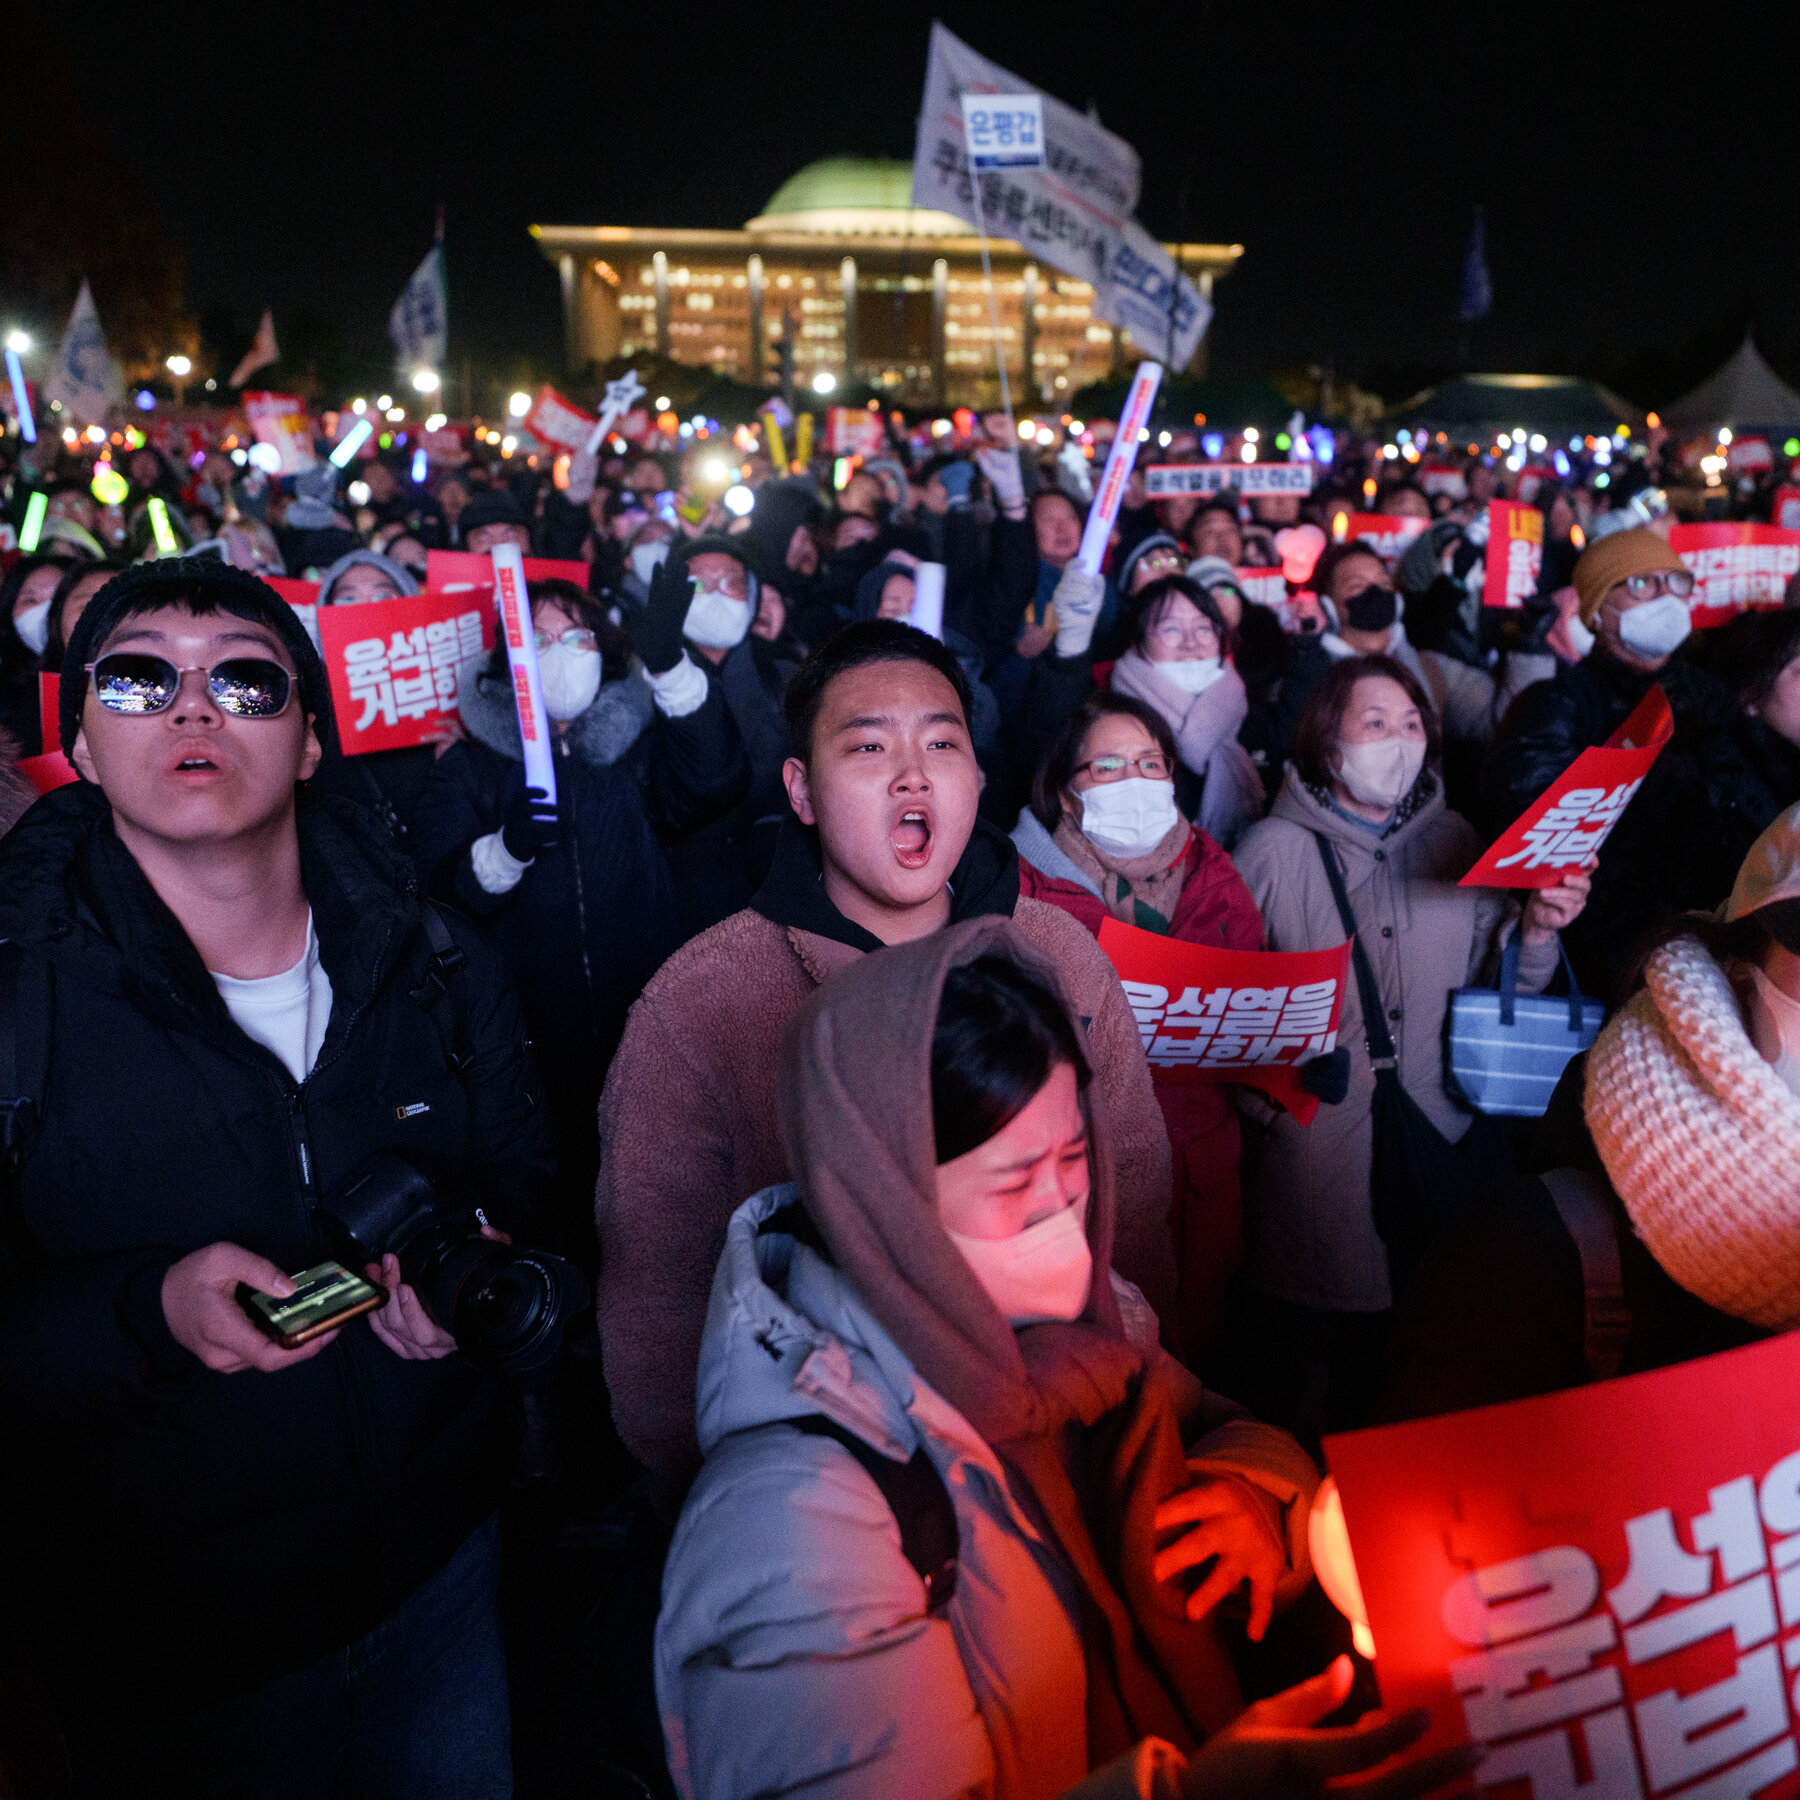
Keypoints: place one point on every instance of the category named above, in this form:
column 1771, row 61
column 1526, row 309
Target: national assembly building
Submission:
column 841, row 267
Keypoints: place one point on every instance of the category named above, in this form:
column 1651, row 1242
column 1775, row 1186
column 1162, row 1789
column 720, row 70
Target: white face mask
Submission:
column 1581, row 640
column 646, row 559
column 33, row 627
column 1193, row 674
column 1381, row 773
column 715, row 621
column 1129, row 817
column 570, row 679
column 1657, row 628
column 1041, row 1273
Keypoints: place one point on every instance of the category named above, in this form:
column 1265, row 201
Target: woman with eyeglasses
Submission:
column 1179, row 665
column 574, row 890
column 1672, row 851
column 1105, row 838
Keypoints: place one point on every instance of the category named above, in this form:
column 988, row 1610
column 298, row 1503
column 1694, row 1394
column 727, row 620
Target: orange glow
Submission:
column 1369, row 489
column 1653, row 421
column 1577, row 537
column 1328, row 1539
column 1340, row 527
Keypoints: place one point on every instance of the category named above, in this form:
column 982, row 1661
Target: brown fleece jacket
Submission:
column 690, row 1127
column 16, row 791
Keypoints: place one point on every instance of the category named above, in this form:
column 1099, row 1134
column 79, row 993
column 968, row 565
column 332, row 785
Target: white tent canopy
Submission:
column 1745, row 392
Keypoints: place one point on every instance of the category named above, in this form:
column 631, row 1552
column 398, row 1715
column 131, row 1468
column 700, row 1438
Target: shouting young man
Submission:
column 884, row 848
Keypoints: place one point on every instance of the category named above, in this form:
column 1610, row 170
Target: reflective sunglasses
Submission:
column 1679, row 582
column 246, row 687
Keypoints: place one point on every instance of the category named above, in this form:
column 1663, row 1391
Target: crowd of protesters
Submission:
column 786, row 1027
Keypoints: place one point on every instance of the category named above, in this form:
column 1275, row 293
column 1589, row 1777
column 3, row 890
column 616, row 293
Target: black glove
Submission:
column 657, row 634
column 530, row 825
column 1327, row 1077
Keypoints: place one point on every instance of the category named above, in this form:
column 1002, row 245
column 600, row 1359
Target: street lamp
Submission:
column 519, row 405
column 824, row 382
column 425, row 381
column 180, row 367
column 19, row 342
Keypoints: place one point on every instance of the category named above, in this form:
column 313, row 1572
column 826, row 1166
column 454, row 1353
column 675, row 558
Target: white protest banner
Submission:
column 554, row 420
column 1170, row 481
column 1119, row 460
column 619, row 397
column 1004, row 131
column 928, row 599
column 420, row 322
column 280, row 421
column 86, row 382
column 1074, row 211
column 521, row 659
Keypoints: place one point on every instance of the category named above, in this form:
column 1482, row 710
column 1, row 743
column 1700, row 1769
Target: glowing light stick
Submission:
column 35, row 510
column 1119, row 460
column 521, row 657
column 928, row 599
column 161, row 529
column 21, row 399
column 354, row 439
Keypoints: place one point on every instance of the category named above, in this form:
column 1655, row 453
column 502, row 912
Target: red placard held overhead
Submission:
column 554, row 420
column 1249, row 1016
column 392, row 664
column 1735, row 566
column 1387, row 534
column 1575, row 815
column 1592, row 1584
column 1515, row 553
column 457, row 571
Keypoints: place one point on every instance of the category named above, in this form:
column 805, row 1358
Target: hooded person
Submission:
column 1179, row 662
column 1661, row 1219
column 891, row 1303
column 575, row 892
column 359, row 576
column 700, row 655
column 1674, row 848
column 1104, row 838
column 884, row 847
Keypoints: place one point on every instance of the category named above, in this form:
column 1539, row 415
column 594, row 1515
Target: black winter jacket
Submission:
column 1670, row 851
column 192, row 1534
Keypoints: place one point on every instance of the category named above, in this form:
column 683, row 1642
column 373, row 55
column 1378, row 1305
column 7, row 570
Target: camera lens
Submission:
column 505, row 1307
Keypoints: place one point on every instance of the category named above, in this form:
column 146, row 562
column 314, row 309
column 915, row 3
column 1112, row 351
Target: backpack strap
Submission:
column 920, row 1503
column 1580, row 1202
column 442, row 993
column 24, row 1055
column 1382, row 1054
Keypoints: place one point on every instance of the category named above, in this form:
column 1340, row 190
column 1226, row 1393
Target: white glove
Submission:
column 1077, row 602
column 1001, row 467
column 583, row 469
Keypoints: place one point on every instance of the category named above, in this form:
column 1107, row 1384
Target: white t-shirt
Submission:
column 286, row 1013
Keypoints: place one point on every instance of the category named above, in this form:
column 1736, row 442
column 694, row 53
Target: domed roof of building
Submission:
column 858, row 196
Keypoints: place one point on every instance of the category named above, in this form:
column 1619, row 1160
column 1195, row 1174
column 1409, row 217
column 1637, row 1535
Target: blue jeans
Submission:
column 417, row 1710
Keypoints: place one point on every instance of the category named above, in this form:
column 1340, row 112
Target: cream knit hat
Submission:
column 1701, row 1139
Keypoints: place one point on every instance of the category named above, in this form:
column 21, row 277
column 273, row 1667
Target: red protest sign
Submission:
column 1386, row 534
column 49, row 771
column 1443, row 478
column 392, row 665
column 280, row 421
column 456, row 571
column 49, row 689
column 1735, row 566
column 1250, row 1016
column 554, row 420
column 295, row 593
column 853, row 431
column 1575, row 815
column 1592, row 1580
column 1515, row 553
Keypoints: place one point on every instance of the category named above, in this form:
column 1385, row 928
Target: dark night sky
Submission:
column 1636, row 163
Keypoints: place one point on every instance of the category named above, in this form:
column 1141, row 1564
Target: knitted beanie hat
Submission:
column 1607, row 562
column 1701, row 1138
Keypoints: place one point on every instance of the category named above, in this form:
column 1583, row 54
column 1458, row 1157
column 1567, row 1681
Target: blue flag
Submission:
column 420, row 321
column 1477, row 289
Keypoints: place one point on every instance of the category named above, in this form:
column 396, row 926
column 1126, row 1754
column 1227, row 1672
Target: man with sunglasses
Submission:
column 251, row 1569
column 1668, row 853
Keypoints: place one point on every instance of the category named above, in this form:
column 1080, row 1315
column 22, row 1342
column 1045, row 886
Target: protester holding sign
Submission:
column 1103, row 838
column 884, row 847
column 1670, row 852
column 968, row 1321
column 1363, row 806
column 1179, row 663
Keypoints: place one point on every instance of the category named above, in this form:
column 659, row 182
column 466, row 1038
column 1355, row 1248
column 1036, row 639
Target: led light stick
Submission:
column 521, row 658
column 1119, row 460
column 21, row 399
column 161, row 529
column 36, row 508
column 928, row 599
column 354, row 439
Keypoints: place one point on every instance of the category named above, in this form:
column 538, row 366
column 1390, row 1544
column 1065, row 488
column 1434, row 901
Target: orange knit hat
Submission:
column 1609, row 560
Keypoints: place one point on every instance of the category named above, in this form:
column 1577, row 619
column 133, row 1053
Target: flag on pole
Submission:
column 85, row 379
column 263, row 351
column 1477, row 289
column 420, row 321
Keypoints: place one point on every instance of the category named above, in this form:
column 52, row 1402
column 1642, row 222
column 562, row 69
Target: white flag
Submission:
column 85, row 380
column 1074, row 212
column 263, row 351
column 420, row 321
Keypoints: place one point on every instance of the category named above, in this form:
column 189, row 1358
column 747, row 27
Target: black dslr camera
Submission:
column 506, row 1307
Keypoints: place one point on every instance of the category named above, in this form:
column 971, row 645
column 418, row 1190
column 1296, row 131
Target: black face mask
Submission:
column 1371, row 610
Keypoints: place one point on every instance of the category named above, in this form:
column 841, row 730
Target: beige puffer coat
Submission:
column 1310, row 1234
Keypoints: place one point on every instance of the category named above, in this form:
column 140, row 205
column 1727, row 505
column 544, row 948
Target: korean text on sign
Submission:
column 393, row 666
column 1249, row 1016
column 1735, row 565
column 1603, row 1586
column 1004, row 131
column 1515, row 553
column 1163, row 481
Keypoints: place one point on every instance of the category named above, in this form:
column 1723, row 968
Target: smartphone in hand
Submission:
column 324, row 1298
